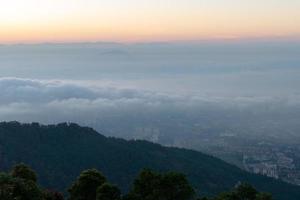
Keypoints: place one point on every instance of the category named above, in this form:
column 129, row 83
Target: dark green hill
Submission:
column 60, row 152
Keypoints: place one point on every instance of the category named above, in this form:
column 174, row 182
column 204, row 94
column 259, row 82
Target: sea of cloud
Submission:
column 86, row 83
column 52, row 101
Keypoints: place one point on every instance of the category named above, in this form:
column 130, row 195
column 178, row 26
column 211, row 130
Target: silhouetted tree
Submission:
column 24, row 172
column 20, row 184
column 243, row 191
column 26, row 190
column 146, row 185
column 85, row 187
column 227, row 196
column 150, row 185
column 175, row 186
column 52, row 195
column 108, row 192
column 246, row 192
column 6, row 186
column 263, row 196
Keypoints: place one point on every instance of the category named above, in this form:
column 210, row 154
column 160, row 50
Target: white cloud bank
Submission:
column 53, row 101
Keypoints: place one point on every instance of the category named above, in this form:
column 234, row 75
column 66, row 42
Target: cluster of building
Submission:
column 272, row 163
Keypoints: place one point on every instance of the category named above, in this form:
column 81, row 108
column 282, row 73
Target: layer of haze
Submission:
column 247, row 68
column 34, row 21
column 171, row 89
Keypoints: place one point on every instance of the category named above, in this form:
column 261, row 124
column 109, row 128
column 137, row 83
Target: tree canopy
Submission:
column 108, row 191
column 22, row 184
column 150, row 185
column 85, row 187
column 24, row 172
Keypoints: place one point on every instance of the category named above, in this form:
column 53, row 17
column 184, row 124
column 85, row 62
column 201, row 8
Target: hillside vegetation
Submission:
column 58, row 153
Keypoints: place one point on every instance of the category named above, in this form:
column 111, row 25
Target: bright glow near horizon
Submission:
column 146, row 20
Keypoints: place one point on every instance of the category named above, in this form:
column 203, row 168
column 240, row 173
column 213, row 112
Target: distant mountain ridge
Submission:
column 60, row 152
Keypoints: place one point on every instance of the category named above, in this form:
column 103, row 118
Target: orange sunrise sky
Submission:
column 34, row 21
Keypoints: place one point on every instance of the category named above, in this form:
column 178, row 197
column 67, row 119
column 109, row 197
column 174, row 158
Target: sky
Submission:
column 36, row 21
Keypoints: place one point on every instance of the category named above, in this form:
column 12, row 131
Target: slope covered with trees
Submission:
column 60, row 152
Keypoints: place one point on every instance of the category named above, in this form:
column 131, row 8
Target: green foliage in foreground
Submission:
column 169, row 186
column 85, row 187
column 21, row 184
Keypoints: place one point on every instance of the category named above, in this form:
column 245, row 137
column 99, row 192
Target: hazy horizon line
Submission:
column 179, row 41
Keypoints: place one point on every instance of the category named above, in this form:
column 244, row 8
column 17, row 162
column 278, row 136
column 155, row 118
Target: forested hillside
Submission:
column 60, row 152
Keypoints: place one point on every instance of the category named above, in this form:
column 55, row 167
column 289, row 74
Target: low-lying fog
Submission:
column 169, row 88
